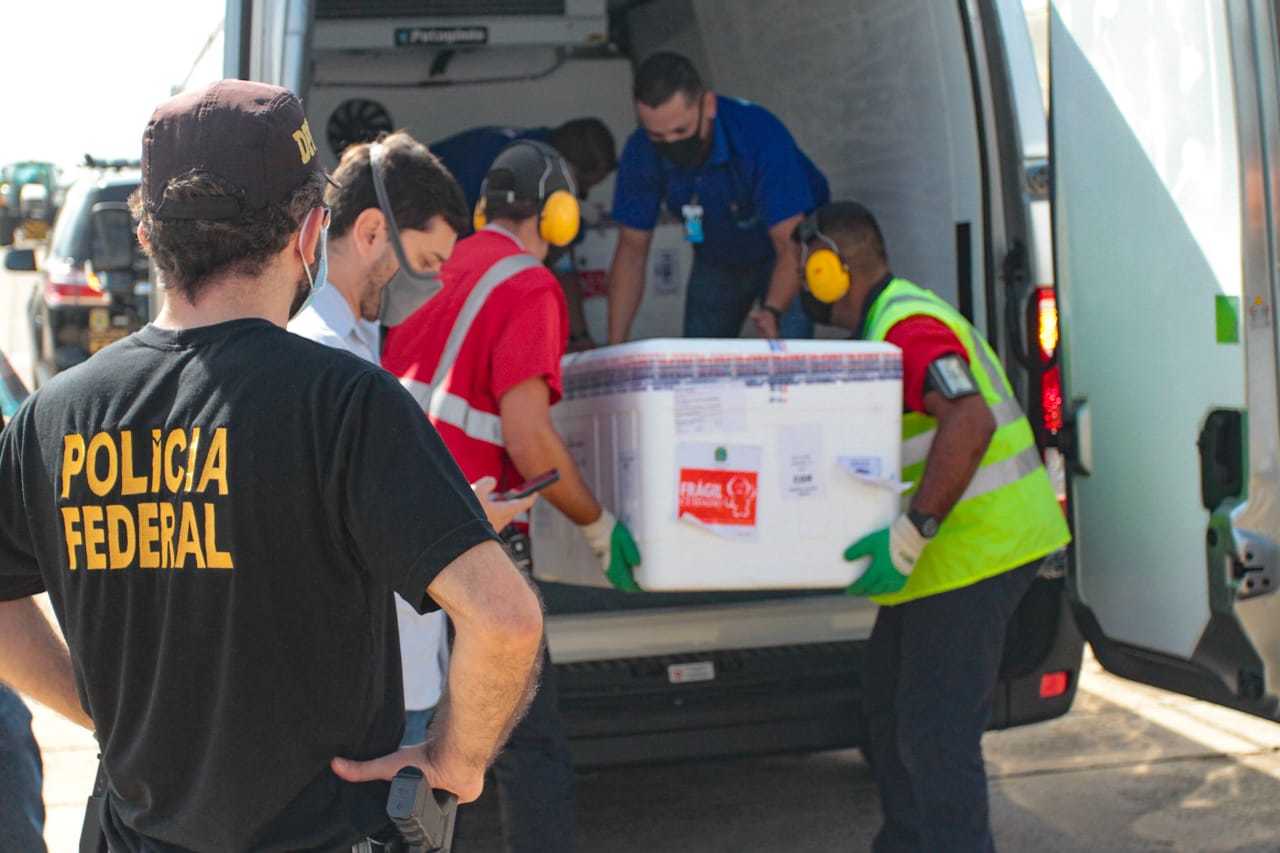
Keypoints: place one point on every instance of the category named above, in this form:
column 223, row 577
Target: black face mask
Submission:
column 688, row 153
column 814, row 308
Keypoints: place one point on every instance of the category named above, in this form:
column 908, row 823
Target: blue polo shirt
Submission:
column 468, row 155
column 754, row 164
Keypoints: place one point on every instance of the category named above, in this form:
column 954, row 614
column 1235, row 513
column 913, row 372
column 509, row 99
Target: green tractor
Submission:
column 28, row 194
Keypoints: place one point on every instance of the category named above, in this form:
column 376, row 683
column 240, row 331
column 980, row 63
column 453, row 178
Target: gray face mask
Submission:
column 405, row 294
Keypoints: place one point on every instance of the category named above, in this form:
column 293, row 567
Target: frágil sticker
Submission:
column 718, row 488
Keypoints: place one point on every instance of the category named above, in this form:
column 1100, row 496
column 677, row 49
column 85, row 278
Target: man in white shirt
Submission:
column 360, row 259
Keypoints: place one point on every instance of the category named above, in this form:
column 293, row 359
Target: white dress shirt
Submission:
column 424, row 648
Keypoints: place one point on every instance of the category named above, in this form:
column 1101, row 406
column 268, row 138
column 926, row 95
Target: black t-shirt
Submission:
column 221, row 517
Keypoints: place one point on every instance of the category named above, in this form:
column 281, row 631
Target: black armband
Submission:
column 950, row 376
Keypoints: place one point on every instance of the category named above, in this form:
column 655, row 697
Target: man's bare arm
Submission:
column 784, row 282
column 535, row 447
column 34, row 660
column 571, row 284
column 626, row 280
column 492, row 675
column 497, row 620
column 965, row 427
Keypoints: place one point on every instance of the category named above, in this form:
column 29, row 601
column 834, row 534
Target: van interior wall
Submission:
column 553, row 93
column 877, row 94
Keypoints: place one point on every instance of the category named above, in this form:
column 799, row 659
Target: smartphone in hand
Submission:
column 528, row 487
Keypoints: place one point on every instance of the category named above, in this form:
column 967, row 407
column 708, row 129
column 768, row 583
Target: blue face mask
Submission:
column 321, row 277
column 322, row 265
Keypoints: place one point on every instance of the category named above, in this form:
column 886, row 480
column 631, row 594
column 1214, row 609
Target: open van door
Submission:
column 1165, row 134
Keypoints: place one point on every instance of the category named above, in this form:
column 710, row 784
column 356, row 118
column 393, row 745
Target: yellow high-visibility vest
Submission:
column 1009, row 515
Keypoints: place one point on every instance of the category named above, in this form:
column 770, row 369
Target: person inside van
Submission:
column 950, row 571
column 733, row 173
column 483, row 360
column 586, row 144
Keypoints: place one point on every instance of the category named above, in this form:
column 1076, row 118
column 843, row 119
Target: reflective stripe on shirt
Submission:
column 433, row 398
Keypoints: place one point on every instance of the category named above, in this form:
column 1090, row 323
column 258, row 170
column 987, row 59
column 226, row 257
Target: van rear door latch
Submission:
column 1255, row 564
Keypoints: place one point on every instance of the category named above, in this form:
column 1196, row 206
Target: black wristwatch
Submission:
column 926, row 525
column 776, row 312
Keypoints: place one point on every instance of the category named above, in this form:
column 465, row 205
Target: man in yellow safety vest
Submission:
column 980, row 516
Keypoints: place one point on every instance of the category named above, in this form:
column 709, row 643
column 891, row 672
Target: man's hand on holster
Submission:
column 441, row 773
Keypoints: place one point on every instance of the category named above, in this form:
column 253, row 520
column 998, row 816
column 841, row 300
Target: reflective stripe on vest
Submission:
column 1008, row 515
column 433, row 398
column 991, row 477
column 916, row 449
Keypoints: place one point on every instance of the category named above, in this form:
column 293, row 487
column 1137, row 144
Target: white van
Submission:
column 930, row 113
column 1166, row 152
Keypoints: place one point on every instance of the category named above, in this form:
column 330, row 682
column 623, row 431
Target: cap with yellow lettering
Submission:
column 252, row 136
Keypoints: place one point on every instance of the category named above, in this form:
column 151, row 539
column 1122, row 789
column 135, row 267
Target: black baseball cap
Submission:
column 252, row 136
column 527, row 170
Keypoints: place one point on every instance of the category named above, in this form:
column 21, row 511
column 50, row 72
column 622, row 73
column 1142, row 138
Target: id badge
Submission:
column 692, row 214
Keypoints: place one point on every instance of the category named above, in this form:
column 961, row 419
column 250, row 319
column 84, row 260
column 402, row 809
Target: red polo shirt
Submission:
column 521, row 332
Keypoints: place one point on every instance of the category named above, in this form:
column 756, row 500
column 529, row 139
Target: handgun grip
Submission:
column 424, row 818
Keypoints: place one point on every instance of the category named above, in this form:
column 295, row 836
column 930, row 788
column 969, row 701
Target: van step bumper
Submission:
column 775, row 699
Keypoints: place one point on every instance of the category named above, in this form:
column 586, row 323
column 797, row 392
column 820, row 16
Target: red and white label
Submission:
column 690, row 673
column 718, row 496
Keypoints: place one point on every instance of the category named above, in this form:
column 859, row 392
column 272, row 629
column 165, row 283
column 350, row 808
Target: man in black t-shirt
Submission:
column 221, row 512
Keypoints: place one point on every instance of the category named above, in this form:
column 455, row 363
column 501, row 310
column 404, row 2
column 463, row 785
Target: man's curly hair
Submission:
column 191, row 252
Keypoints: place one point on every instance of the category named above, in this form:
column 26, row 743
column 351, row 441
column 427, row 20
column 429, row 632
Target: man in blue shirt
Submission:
column 586, row 143
column 733, row 173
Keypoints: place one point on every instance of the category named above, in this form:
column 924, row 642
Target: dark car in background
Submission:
column 28, row 200
column 75, row 311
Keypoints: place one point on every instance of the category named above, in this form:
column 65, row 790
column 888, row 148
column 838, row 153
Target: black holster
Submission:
column 92, row 837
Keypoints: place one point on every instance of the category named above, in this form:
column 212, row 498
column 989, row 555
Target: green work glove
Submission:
column 893, row 551
column 615, row 548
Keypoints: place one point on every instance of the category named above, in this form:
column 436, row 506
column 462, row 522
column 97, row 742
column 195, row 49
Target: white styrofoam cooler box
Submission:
column 661, row 311
column 736, row 464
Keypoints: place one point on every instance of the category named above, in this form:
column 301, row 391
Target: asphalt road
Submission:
column 1128, row 769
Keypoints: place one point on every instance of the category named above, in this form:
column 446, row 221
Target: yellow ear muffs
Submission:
column 826, row 275
column 478, row 219
column 561, row 217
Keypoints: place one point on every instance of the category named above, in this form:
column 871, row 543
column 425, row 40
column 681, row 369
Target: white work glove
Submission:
column 905, row 544
column 615, row 548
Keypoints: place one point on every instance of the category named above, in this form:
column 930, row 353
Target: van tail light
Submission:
column 1051, row 387
column 1051, row 377
column 67, row 283
column 1054, row 684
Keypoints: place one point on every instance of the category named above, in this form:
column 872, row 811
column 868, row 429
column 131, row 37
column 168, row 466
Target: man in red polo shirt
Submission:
column 483, row 360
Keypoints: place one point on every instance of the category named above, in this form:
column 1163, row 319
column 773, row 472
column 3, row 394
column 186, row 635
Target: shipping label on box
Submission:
column 800, row 458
